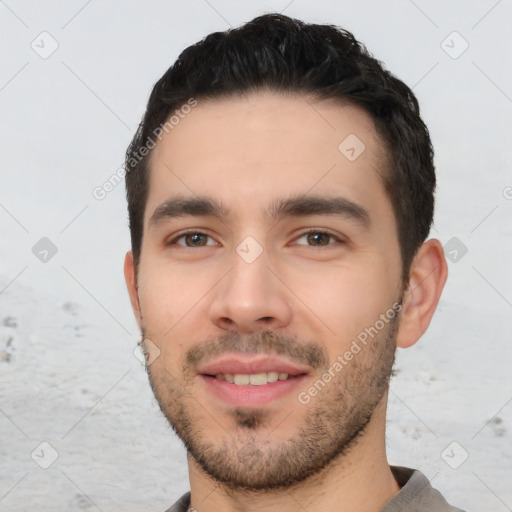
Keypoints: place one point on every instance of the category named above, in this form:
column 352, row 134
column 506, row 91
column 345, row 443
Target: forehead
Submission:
column 253, row 149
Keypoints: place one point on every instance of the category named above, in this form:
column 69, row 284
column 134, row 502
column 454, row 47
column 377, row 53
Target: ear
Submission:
column 130, row 276
column 426, row 281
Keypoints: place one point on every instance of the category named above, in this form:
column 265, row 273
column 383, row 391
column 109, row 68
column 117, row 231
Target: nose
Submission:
column 251, row 297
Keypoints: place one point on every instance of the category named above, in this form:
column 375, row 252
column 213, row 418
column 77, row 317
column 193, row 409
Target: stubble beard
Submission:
column 332, row 423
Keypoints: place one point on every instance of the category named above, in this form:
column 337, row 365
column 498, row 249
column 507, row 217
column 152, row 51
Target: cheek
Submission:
column 167, row 294
column 340, row 301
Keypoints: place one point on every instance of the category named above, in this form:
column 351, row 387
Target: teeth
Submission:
column 255, row 379
column 272, row 376
column 241, row 380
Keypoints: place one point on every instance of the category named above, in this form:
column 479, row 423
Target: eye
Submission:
column 317, row 239
column 192, row 239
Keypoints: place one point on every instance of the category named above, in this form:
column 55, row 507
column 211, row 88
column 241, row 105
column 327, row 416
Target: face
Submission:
column 269, row 284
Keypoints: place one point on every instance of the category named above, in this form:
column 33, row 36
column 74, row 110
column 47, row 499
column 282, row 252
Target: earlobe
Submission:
column 130, row 276
column 427, row 278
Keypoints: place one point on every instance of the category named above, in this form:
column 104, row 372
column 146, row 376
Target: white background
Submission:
column 68, row 376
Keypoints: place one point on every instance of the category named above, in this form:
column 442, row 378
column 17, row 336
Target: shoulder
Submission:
column 181, row 505
column 416, row 494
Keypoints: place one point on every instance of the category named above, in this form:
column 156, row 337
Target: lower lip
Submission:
column 251, row 396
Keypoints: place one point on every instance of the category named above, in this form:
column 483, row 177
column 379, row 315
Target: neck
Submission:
column 360, row 479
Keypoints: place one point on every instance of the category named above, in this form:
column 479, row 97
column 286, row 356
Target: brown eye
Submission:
column 193, row 240
column 318, row 238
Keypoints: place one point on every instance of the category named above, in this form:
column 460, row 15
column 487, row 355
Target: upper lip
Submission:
column 249, row 364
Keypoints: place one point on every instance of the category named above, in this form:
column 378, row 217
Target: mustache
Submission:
column 261, row 342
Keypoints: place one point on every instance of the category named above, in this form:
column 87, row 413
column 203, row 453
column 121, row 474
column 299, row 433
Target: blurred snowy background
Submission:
column 79, row 428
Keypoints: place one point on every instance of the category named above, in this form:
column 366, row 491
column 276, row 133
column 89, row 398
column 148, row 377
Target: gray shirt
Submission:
column 415, row 495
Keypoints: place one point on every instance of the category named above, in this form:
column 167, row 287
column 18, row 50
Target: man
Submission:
column 280, row 192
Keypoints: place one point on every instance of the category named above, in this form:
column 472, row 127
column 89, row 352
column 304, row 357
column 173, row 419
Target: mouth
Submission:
column 254, row 379
column 245, row 380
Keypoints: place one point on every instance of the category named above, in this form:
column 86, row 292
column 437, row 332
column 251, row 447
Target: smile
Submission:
column 254, row 379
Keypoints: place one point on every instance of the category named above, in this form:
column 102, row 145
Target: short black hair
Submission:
column 278, row 53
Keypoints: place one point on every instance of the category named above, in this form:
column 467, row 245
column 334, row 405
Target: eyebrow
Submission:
column 319, row 205
column 296, row 206
column 187, row 206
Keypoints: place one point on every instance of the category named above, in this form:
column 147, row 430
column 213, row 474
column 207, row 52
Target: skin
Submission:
column 318, row 292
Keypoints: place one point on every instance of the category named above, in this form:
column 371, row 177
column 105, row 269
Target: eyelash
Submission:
column 183, row 235
column 303, row 234
column 320, row 232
